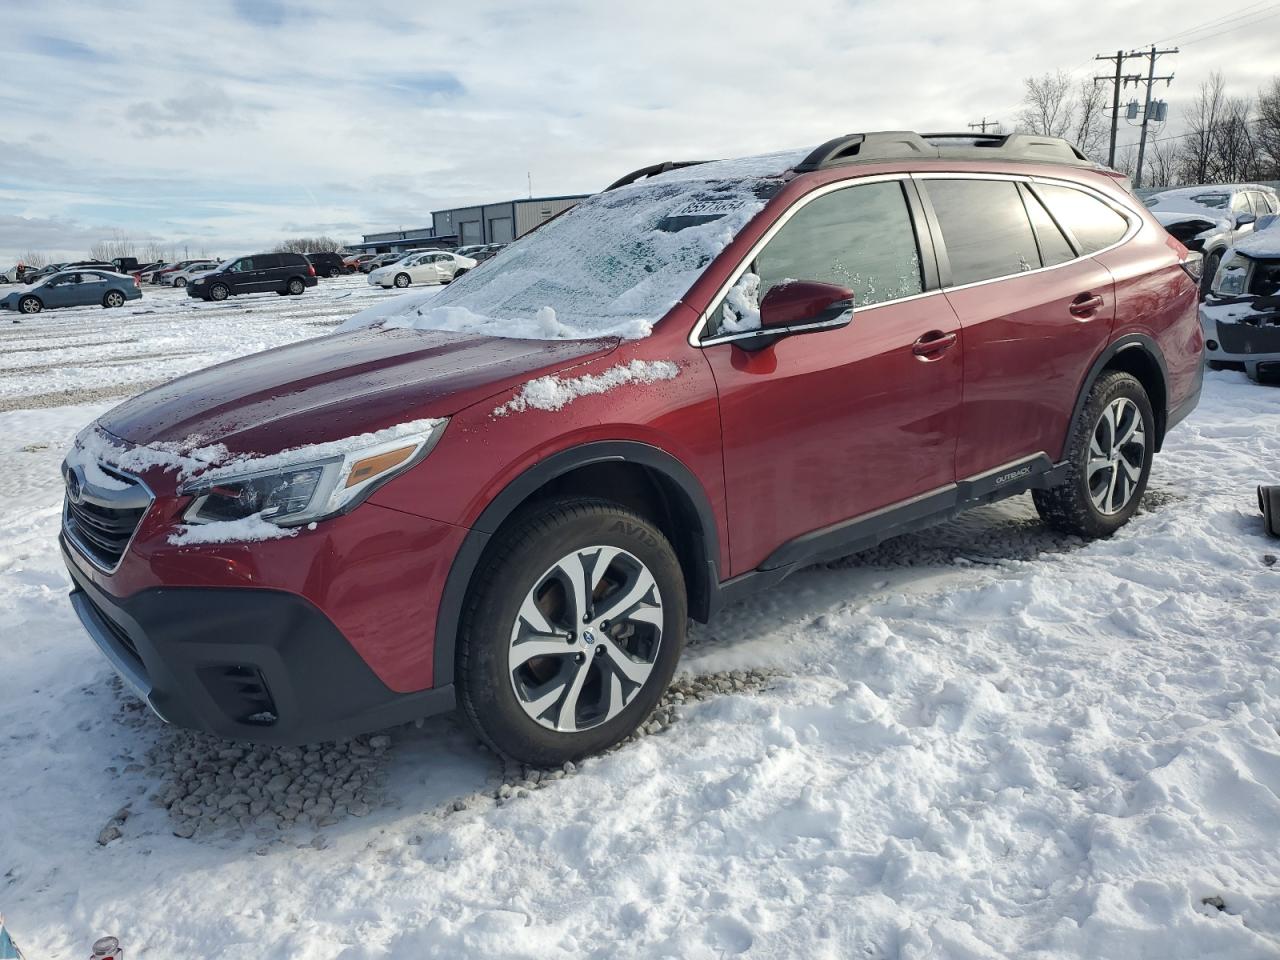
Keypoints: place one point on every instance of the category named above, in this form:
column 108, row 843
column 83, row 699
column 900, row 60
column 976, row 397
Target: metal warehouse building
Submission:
column 463, row 226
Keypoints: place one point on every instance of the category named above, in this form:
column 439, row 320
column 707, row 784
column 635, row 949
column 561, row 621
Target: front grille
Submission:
column 1249, row 338
column 102, row 523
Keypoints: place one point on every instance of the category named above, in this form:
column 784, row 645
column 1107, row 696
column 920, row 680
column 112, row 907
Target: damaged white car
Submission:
column 1241, row 316
column 1210, row 218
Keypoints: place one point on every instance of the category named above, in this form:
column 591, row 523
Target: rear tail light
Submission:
column 1193, row 265
column 311, row 271
column 136, row 281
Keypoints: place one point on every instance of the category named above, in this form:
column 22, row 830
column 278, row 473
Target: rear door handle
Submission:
column 1085, row 306
column 932, row 344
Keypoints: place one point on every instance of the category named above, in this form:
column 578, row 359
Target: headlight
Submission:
column 1233, row 276
column 309, row 484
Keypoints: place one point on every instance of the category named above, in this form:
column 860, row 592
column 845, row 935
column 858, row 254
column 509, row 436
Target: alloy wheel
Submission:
column 30, row 305
column 115, row 299
column 401, row 280
column 586, row 638
column 1117, row 453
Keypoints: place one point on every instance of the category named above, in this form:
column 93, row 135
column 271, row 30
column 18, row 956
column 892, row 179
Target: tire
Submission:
column 296, row 287
column 180, row 282
column 1094, row 503
column 114, row 298
column 30, row 305
column 333, row 273
column 1210, row 270
column 522, row 709
column 219, row 292
column 401, row 280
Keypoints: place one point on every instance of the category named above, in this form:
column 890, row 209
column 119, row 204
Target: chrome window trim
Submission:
column 741, row 268
column 1131, row 216
column 84, row 551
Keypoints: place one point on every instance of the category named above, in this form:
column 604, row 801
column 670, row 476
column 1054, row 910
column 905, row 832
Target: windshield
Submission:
column 612, row 265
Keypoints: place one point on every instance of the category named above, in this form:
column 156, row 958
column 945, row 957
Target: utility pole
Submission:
column 984, row 124
column 1153, row 54
column 1116, row 81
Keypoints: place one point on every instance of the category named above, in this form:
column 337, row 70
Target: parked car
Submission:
column 147, row 273
column 327, row 264
column 517, row 503
column 1210, row 218
column 180, row 278
column 470, row 250
column 487, row 252
column 1241, row 317
column 125, row 264
column 18, row 273
column 73, row 288
column 434, row 266
column 164, row 276
column 383, row 259
column 282, row 273
column 353, row 262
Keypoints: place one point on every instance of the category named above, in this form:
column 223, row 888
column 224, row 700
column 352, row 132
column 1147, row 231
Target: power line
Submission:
column 1218, row 21
column 1247, row 23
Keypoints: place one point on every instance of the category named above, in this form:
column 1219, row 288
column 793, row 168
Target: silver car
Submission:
column 1211, row 218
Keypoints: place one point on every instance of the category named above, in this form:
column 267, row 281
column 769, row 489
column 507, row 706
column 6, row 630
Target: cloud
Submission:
column 227, row 125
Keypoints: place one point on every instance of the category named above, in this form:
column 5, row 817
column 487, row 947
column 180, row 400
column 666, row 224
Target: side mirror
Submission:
column 1244, row 219
column 799, row 306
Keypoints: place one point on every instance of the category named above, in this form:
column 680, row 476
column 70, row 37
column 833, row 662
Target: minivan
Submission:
column 283, row 273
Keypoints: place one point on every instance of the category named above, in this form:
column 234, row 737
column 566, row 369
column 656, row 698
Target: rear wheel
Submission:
column 114, row 298
column 30, row 305
column 571, row 632
column 180, row 282
column 296, row 286
column 1109, row 454
column 219, row 291
column 333, row 272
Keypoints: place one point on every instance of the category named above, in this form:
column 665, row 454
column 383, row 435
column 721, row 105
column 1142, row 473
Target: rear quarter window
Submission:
column 985, row 229
column 1094, row 224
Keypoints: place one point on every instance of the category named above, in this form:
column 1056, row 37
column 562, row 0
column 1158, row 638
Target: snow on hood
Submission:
column 556, row 393
column 1261, row 243
column 612, row 265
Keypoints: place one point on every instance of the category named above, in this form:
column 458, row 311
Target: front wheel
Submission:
column 1109, row 455
column 571, row 631
column 401, row 280
column 114, row 298
column 219, row 291
column 296, row 286
column 30, row 305
column 180, row 282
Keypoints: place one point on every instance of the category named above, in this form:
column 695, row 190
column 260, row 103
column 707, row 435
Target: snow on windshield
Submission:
column 612, row 265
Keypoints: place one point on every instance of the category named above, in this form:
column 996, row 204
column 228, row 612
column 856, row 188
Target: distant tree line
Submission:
column 1224, row 139
column 321, row 244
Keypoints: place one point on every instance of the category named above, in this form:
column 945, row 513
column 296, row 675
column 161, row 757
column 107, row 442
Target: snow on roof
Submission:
column 1261, row 243
column 612, row 265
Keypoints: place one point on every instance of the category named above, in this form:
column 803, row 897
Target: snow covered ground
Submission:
column 980, row 741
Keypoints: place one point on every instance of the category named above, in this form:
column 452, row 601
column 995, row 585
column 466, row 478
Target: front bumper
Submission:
column 1255, row 349
column 244, row 663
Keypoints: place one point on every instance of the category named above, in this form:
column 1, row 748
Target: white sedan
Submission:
column 434, row 266
column 182, row 277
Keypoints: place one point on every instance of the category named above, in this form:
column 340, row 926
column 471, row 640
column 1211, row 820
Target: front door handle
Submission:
column 932, row 344
column 1085, row 306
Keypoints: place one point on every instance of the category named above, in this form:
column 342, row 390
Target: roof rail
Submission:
column 651, row 171
column 902, row 144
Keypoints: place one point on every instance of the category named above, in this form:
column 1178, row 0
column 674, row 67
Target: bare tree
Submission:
column 320, row 244
column 1267, row 129
column 34, row 258
column 1203, row 120
column 120, row 245
column 1163, row 158
column 1052, row 107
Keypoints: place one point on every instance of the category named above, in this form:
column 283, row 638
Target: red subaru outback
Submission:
column 513, row 494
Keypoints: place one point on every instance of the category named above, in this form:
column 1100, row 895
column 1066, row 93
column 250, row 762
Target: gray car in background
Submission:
column 73, row 288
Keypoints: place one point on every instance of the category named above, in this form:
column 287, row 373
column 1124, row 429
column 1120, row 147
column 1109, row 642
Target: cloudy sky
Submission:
column 233, row 127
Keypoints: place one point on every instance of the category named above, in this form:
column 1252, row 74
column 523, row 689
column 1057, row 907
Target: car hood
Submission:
column 335, row 387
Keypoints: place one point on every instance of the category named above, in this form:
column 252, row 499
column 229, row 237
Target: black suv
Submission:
column 327, row 264
column 284, row 273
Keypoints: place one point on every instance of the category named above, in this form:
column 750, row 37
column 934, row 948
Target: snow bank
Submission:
column 555, row 393
column 612, row 265
column 247, row 530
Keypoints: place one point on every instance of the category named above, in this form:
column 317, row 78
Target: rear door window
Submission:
column 267, row 261
column 1054, row 248
column 985, row 229
column 1093, row 224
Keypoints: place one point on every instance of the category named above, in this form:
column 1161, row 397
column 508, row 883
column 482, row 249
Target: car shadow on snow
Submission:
column 242, row 796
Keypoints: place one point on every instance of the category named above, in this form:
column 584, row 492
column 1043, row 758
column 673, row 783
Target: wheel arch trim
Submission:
column 525, row 485
column 1132, row 341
